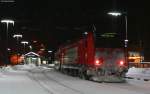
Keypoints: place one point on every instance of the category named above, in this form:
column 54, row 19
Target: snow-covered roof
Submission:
column 31, row 53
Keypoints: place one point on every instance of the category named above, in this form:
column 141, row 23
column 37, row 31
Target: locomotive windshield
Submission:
column 108, row 37
column 108, row 40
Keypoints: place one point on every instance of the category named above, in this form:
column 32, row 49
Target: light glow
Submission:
column 8, row 49
column 17, row 36
column 121, row 63
column 42, row 49
column 85, row 33
column 34, row 41
column 7, row 21
column 24, row 42
column 136, row 57
column 30, row 47
column 126, row 40
column 50, row 51
column 97, row 62
column 114, row 13
column 7, row 1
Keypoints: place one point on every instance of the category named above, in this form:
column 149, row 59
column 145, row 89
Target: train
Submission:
column 83, row 59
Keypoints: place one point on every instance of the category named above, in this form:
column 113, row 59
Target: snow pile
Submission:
column 47, row 66
column 17, row 68
column 7, row 69
column 1, row 74
column 24, row 67
column 143, row 73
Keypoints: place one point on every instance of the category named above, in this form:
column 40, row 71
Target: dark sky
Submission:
column 53, row 22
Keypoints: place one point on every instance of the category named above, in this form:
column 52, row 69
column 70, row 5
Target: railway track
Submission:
column 51, row 85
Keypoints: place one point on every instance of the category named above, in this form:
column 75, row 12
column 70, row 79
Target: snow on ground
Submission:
column 16, row 81
column 13, row 83
column 6, row 69
column 24, row 67
column 29, row 79
column 140, row 73
column 88, row 87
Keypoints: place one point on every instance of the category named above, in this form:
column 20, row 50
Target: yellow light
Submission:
column 137, row 57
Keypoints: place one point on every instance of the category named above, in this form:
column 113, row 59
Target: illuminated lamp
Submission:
column 121, row 63
column 97, row 62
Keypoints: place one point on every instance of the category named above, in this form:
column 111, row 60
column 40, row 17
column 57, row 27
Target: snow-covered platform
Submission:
column 139, row 74
column 28, row 79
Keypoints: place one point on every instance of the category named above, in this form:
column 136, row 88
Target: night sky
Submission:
column 52, row 23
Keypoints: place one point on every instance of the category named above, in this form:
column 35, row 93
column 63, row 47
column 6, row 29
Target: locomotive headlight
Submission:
column 121, row 63
column 97, row 62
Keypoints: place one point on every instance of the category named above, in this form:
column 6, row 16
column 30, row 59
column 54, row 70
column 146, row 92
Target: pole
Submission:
column 17, row 50
column 126, row 22
column 126, row 42
column 7, row 58
column 126, row 34
column 7, row 21
column 24, row 43
column 24, row 52
column 17, row 36
column 24, row 47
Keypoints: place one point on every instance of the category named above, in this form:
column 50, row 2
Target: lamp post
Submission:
column 49, row 51
column 50, row 56
column 7, row 21
column 115, row 13
column 24, row 44
column 17, row 36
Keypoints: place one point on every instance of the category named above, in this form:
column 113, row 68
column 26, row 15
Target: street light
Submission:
column 115, row 13
column 7, row 1
column 30, row 48
column 50, row 51
column 17, row 36
column 24, row 44
column 7, row 21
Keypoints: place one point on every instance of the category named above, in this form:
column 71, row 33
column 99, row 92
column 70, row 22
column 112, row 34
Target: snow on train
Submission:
column 82, row 58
